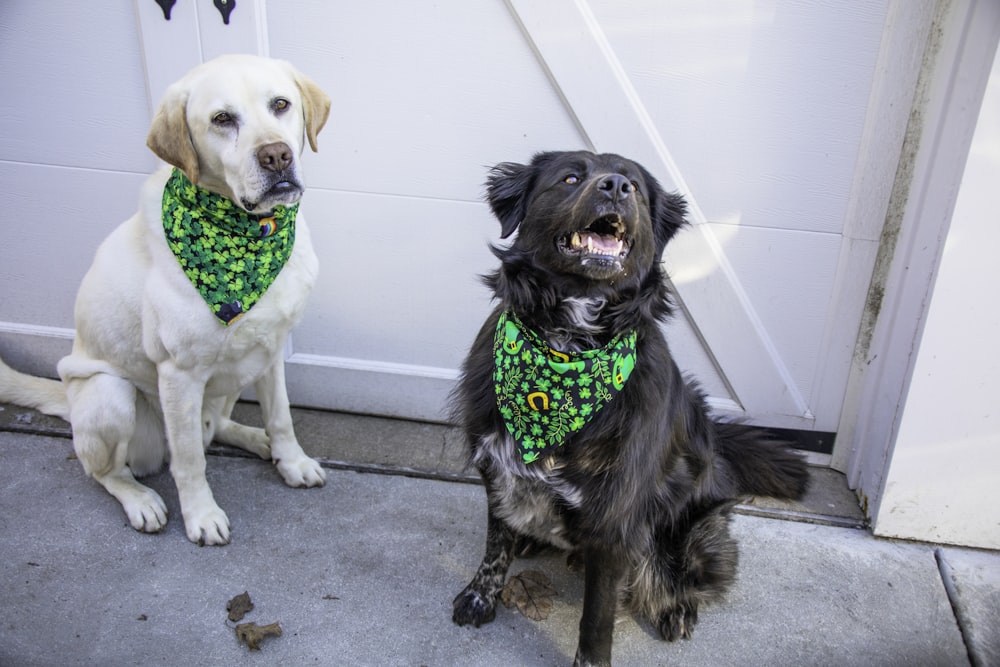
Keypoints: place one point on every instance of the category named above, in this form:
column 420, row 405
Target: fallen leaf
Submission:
column 252, row 634
column 531, row 592
column 239, row 606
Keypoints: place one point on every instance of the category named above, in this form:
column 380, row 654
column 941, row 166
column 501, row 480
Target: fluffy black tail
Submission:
column 760, row 464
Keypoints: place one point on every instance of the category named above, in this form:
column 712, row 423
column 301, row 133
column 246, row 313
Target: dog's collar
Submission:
column 545, row 395
column 230, row 256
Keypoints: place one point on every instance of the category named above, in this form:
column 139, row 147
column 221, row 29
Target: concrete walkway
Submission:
column 363, row 571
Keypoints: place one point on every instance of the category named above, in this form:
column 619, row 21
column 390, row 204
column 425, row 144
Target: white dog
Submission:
column 190, row 301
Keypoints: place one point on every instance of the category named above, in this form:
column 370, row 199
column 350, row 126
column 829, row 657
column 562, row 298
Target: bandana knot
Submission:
column 545, row 395
column 230, row 256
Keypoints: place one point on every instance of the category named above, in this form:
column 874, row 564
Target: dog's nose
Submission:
column 616, row 187
column 274, row 157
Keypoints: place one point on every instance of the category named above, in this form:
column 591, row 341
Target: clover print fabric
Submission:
column 230, row 256
column 545, row 395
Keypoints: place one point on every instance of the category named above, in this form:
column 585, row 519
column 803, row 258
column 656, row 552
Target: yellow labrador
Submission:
column 159, row 356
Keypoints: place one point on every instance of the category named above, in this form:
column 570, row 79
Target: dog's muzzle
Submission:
column 282, row 186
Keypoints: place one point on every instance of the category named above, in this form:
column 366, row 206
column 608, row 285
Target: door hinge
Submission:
column 166, row 6
column 225, row 8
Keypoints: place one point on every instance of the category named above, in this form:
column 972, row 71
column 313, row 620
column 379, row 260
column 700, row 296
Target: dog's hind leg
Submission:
column 695, row 564
column 103, row 414
column 477, row 604
column 229, row 432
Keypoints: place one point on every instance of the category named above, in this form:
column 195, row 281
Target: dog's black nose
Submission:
column 616, row 187
column 274, row 157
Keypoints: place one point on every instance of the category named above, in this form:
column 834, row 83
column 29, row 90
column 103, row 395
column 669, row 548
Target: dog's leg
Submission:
column 103, row 414
column 478, row 602
column 295, row 467
column 229, row 432
column 181, row 397
column 603, row 576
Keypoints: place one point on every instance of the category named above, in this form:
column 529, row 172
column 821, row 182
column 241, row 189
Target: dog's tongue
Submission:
column 606, row 245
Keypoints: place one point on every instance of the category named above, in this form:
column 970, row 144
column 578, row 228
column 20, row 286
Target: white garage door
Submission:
column 760, row 113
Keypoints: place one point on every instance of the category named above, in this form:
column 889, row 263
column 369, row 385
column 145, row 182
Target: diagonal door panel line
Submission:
column 695, row 214
column 638, row 108
column 572, row 47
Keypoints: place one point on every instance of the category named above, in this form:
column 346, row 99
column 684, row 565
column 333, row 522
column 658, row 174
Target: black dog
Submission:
column 585, row 432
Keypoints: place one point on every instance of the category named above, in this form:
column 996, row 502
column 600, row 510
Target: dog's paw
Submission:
column 586, row 661
column 677, row 623
column 301, row 471
column 471, row 608
column 145, row 510
column 208, row 526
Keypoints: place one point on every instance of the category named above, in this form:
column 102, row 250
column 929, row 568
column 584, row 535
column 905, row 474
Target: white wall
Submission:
column 943, row 481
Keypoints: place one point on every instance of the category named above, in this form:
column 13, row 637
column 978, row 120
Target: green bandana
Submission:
column 545, row 395
column 229, row 255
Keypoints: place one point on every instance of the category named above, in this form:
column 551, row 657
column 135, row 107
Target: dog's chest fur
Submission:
column 177, row 324
column 535, row 498
column 532, row 498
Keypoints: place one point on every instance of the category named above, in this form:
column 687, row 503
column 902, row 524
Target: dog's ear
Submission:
column 315, row 105
column 507, row 188
column 169, row 137
column 666, row 211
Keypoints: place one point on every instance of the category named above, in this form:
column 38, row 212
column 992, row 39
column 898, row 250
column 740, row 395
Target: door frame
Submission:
column 956, row 63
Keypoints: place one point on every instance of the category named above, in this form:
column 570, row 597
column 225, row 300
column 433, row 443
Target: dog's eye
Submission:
column 280, row 104
column 572, row 179
column 222, row 118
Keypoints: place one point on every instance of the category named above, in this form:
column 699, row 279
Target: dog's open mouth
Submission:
column 603, row 240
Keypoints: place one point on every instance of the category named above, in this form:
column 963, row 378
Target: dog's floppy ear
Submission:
column 315, row 105
column 169, row 137
column 666, row 211
column 507, row 188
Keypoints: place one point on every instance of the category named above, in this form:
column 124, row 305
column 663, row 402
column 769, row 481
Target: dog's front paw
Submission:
column 301, row 471
column 207, row 526
column 587, row 661
column 145, row 510
column 471, row 608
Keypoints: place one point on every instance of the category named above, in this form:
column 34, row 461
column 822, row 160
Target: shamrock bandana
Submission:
column 545, row 395
column 229, row 255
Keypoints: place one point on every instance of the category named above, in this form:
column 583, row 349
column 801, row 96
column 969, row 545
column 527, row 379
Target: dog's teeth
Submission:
column 574, row 240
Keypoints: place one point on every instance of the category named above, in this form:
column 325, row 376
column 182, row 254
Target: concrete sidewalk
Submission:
column 363, row 571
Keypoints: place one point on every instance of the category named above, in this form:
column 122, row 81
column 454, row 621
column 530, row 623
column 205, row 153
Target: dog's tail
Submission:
column 760, row 464
column 41, row 394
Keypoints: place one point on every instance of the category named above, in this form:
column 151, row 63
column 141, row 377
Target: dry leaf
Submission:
column 252, row 634
column 239, row 606
column 531, row 592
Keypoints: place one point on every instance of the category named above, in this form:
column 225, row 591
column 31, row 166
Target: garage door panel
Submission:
column 398, row 278
column 424, row 102
column 735, row 90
